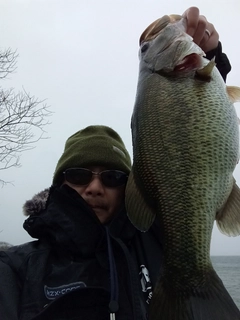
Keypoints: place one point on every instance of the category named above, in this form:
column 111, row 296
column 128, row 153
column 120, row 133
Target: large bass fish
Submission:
column 185, row 148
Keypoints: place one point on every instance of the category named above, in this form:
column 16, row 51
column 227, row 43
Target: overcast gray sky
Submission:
column 82, row 56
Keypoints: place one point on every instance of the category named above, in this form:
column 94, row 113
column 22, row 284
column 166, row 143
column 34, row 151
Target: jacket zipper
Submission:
column 133, row 282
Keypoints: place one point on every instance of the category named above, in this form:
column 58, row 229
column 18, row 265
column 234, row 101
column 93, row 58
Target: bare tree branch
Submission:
column 22, row 118
column 8, row 59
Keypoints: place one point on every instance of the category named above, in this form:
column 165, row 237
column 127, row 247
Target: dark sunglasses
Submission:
column 82, row 177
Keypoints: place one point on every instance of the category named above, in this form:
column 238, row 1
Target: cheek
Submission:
column 117, row 197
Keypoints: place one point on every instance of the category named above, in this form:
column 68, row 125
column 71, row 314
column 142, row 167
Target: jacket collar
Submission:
column 62, row 217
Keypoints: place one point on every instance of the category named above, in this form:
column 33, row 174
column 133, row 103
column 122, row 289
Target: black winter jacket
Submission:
column 78, row 266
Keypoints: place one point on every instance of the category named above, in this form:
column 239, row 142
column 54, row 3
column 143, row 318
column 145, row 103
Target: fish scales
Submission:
column 174, row 125
column 185, row 148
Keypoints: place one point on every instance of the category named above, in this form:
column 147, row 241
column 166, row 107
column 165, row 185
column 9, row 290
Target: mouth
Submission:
column 191, row 62
column 95, row 207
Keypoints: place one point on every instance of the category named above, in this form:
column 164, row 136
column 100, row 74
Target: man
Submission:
column 89, row 261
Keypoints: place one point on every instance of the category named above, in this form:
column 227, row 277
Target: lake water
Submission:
column 228, row 269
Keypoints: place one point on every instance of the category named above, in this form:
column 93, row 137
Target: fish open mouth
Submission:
column 190, row 62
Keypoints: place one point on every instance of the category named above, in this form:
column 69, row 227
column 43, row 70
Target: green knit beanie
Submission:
column 93, row 146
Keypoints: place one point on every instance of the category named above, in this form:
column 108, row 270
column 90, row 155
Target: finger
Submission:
column 192, row 16
column 196, row 28
column 209, row 42
column 200, row 31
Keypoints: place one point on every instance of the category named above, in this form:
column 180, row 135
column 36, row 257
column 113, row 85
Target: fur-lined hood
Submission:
column 37, row 204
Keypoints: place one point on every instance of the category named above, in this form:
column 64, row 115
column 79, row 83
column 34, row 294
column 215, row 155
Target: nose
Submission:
column 95, row 187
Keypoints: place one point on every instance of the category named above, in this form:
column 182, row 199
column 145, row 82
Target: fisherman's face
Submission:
column 104, row 201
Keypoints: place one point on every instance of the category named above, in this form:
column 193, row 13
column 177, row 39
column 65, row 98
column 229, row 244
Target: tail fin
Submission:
column 209, row 302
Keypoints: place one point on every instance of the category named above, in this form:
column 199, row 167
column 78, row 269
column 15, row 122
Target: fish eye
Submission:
column 144, row 47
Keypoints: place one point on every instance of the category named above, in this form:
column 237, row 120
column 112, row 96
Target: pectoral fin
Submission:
column 233, row 93
column 139, row 213
column 228, row 219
